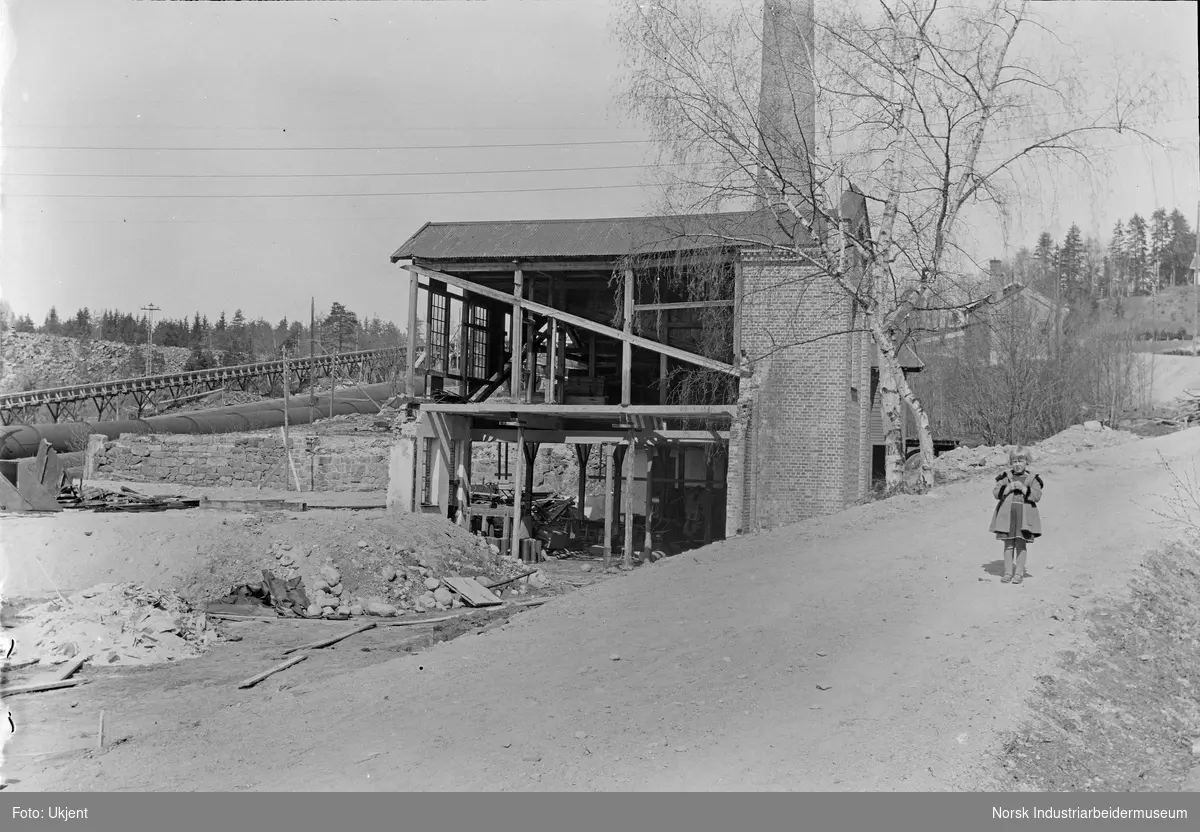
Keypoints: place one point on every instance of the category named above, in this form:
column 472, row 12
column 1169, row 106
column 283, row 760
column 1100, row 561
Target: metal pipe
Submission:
column 22, row 441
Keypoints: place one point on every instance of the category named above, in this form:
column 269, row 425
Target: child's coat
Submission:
column 1031, row 521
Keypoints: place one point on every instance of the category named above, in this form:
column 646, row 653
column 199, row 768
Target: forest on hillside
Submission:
column 227, row 341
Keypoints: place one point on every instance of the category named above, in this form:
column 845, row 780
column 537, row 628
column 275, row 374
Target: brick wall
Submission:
column 242, row 461
column 803, row 441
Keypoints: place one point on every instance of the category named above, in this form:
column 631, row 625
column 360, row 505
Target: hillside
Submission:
column 31, row 361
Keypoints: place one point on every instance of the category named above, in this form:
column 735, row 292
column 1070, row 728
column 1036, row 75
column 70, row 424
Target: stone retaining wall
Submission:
column 242, row 461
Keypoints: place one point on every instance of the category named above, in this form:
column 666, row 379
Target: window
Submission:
column 439, row 332
column 427, row 485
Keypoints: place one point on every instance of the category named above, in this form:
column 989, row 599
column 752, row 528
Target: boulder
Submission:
column 376, row 606
column 1093, row 425
column 432, row 583
column 389, row 574
column 330, row 574
column 443, row 596
column 313, row 610
column 336, row 590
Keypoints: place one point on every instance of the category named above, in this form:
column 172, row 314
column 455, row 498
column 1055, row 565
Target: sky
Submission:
column 253, row 156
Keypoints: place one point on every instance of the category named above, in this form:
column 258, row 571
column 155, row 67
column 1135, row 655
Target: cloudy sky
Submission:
column 214, row 156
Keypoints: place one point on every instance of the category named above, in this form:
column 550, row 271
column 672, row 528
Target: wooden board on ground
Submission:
column 473, row 592
column 253, row 505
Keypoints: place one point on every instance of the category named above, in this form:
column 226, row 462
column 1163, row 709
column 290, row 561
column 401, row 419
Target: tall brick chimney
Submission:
column 787, row 102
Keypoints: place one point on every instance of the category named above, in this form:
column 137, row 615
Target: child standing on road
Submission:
column 1016, row 521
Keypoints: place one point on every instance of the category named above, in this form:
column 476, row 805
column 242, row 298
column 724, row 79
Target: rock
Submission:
column 287, row 547
column 362, row 544
column 443, row 596
column 376, row 606
column 1092, row 425
column 531, row 757
column 586, row 567
column 614, row 657
column 389, row 574
column 336, row 590
column 1196, row 748
column 320, row 585
column 356, row 609
column 67, row 649
column 89, row 534
column 997, row 459
column 456, row 603
column 427, row 600
column 432, row 583
column 581, row 735
column 278, row 553
column 326, row 612
column 343, row 610
column 330, row 574
column 539, row 580
column 313, row 610
column 494, row 549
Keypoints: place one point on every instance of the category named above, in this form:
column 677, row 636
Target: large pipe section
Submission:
column 21, row 441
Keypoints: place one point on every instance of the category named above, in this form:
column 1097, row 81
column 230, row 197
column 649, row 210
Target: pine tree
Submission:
column 1071, row 265
column 1117, row 268
column 52, row 325
column 1160, row 248
column 1043, row 259
column 1183, row 246
column 1135, row 254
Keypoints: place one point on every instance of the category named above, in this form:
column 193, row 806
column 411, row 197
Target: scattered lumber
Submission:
column 510, row 580
column 38, row 687
column 254, row 680
column 7, row 666
column 317, row 645
column 70, row 668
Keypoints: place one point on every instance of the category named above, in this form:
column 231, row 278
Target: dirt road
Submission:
column 871, row 650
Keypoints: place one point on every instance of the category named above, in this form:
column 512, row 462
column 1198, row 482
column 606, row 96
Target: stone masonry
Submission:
column 241, row 461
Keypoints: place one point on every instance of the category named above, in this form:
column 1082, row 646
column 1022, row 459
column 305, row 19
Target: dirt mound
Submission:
column 353, row 559
column 111, row 623
column 961, row 463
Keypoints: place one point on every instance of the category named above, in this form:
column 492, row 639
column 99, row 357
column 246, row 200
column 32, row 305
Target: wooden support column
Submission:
column 628, row 499
column 582, row 453
column 662, row 358
column 709, row 479
column 410, row 381
column 610, row 461
column 649, row 539
column 552, row 364
column 518, row 334
column 464, row 345
column 518, row 487
column 626, row 346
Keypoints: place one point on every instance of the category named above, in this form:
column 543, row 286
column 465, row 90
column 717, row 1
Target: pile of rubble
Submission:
column 113, row 624
column 964, row 462
column 378, row 577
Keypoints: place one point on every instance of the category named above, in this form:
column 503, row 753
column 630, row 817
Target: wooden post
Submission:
column 582, row 453
column 708, row 498
column 629, row 468
column 662, row 359
column 410, row 380
column 626, row 347
column 518, row 488
column 464, row 345
column 648, row 546
column 552, row 363
column 518, row 334
column 287, row 403
column 610, row 458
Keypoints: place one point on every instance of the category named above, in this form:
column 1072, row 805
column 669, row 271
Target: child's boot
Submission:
column 1008, row 565
column 1019, row 572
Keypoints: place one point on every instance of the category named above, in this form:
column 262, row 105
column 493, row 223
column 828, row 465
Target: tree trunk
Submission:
column 889, row 398
column 924, row 433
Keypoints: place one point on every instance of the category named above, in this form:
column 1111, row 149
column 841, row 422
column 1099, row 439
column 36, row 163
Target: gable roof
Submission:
column 609, row 238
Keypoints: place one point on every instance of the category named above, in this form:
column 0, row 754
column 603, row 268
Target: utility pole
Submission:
column 150, row 309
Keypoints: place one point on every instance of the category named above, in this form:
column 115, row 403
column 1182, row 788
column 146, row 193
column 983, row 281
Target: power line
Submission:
column 337, row 175
column 328, row 196
column 354, row 148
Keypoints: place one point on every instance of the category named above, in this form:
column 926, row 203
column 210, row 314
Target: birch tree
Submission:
column 929, row 110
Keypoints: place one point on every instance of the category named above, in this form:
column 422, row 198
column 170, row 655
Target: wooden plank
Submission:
column 578, row 321
column 8, row 666
column 70, row 669
column 38, row 687
column 609, row 460
column 693, row 304
column 518, row 333
column 317, row 645
column 598, row 437
column 254, row 680
column 473, row 592
column 464, row 482
column 599, row 411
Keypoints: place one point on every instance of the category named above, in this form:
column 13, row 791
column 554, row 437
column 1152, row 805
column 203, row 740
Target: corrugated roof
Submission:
column 600, row 238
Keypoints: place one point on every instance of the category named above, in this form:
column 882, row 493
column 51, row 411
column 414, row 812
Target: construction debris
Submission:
column 110, row 624
column 79, row 496
column 254, row 680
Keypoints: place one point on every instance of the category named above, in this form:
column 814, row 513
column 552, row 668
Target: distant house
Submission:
column 981, row 324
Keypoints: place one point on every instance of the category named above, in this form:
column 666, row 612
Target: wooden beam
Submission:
column 464, row 482
column 691, row 304
column 518, row 331
column 552, row 357
column 596, row 437
column 410, row 381
column 582, row 452
column 628, row 500
column 626, row 347
column 597, row 411
column 506, row 266
column 576, row 320
column 610, row 458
